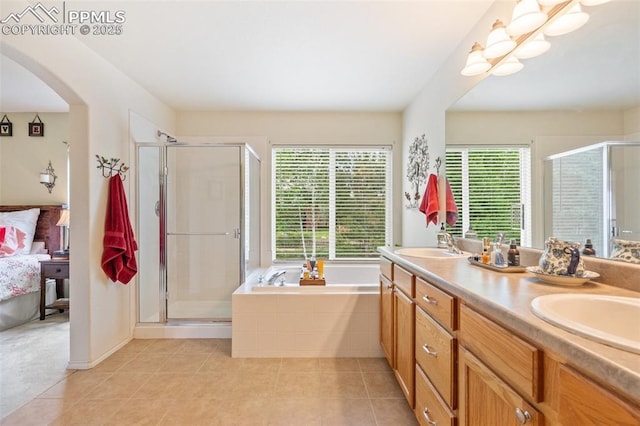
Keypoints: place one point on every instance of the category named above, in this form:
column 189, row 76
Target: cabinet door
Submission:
column 386, row 319
column 584, row 402
column 485, row 400
column 405, row 338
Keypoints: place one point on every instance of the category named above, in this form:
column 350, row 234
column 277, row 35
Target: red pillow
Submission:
column 11, row 241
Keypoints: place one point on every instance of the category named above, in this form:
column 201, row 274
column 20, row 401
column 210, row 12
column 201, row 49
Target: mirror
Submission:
column 584, row 90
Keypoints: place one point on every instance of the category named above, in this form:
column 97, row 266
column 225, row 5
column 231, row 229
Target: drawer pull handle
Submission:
column 522, row 416
column 389, row 286
column 58, row 270
column 429, row 300
column 425, row 413
column 425, row 347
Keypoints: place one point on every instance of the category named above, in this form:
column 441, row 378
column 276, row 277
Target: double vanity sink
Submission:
column 429, row 253
column 612, row 320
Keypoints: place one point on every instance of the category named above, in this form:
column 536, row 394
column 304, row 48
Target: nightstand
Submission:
column 58, row 269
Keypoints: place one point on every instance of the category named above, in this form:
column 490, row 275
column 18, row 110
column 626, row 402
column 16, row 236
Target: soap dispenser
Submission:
column 442, row 237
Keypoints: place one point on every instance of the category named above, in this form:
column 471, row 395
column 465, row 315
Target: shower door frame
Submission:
column 161, row 212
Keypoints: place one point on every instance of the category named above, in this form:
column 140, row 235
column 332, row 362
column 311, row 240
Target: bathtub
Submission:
column 339, row 319
column 339, row 278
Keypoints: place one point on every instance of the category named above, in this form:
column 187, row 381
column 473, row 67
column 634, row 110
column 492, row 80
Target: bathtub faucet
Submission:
column 277, row 274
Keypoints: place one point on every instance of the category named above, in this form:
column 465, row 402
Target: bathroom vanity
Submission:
column 467, row 349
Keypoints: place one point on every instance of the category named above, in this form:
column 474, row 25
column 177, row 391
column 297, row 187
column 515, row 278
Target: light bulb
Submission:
column 573, row 20
column 498, row 43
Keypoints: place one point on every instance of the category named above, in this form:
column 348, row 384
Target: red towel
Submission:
column 452, row 209
column 118, row 256
column 430, row 204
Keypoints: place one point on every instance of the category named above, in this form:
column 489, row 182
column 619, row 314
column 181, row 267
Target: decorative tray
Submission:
column 312, row 281
column 565, row 280
column 497, row 268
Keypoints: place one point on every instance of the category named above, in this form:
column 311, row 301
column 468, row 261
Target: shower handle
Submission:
column 199, row 233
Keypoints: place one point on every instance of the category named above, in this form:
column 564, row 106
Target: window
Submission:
column 331, row 203
column 492, row 189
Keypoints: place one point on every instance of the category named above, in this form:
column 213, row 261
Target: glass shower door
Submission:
column 203, row 222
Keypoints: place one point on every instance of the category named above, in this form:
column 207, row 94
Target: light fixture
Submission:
column 526, row 17
column 524, row 37
column 593, row 2
column 64, row 223
column 533, row 48
column 510, row 66
column 476, row 63
column 498, row 43
column 48, row 177
column 568, row 22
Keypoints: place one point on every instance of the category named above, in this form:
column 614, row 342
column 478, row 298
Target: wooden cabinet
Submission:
column 59, row 270
column 404, row 368
column 430, row 409
column 436, row 353
column 584, row 402
column 515, row 360
column 386, row 319
column 459, row 366
column 486, row 400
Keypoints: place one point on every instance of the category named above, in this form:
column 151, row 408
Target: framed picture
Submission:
column 36, row 127
column 6, row 126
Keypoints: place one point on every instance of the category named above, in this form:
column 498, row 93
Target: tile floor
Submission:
column 196, row 382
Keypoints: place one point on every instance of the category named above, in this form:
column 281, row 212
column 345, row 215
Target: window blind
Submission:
column 331, row 203
column 491, row 186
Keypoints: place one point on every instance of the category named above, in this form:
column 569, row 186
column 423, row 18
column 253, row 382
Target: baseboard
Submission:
column 74, row 365
column 183, row 331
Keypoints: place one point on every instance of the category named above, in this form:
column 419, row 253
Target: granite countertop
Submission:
column 506, row 298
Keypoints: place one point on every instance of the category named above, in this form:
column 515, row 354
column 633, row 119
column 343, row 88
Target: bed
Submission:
column 20, row 274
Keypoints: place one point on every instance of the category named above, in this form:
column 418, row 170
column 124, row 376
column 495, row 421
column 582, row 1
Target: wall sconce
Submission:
column 48, row 177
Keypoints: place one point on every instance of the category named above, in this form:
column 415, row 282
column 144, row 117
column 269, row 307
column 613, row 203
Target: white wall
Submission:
column 262, row 130
column 100, row 98
column 426, row 115
column 19, row 180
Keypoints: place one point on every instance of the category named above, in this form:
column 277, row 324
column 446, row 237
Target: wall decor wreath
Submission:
column 417, row 168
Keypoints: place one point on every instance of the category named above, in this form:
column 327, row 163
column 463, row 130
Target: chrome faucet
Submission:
column 277, row 274
column 451, row 244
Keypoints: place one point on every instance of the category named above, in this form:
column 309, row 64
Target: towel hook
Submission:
column 109, row 166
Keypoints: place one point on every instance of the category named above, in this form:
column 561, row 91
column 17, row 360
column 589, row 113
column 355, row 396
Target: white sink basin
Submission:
column 428, row 252
column 612, row 320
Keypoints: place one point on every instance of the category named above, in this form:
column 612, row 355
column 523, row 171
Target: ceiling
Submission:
column 335, row 55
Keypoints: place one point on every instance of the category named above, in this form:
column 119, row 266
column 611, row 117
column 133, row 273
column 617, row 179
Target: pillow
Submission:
column 38, row 248
column 26, row 221
column 12, row 241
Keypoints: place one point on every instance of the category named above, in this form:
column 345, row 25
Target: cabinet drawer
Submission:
column 515, row 360
column 430, row 409
column 386, row 268
column 56, row 271
column 584, row 402
column 404, row 280
column 436, row 355
column 437, row 303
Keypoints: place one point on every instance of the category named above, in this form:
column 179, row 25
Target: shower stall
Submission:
column 592, row 192
column 198, row 229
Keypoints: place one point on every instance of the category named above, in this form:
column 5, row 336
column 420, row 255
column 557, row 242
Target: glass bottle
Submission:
column 588, row 248
column 513, row 255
